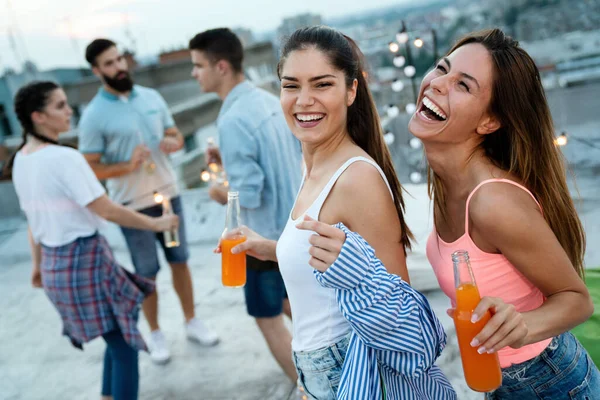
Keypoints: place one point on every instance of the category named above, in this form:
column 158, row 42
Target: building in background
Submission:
column 246, row 36
column 194, row 112
column 292, row 24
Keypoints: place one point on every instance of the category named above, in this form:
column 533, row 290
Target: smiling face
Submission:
column 455, row 97
column 314, row 96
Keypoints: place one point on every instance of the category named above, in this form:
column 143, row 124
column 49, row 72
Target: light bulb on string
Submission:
column 392, row 111
column 410, row 71
column 561, row 140
column 415, row 143
column 399, row 61
column 418, row 42
column 205, row 176
column 402, row 37
column 213, row 166
column 410, row 108
column 158, row 198
column 415, row 177
column 397, row 85
column 389, row 138
column 394, row 47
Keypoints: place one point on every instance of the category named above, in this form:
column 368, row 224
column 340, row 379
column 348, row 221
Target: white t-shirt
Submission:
column 54, row 185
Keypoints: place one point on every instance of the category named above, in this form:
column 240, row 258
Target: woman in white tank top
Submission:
column 348, row 177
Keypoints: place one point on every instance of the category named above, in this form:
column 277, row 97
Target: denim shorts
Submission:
column 563, row 370
column 142, row 244
column 319, row 371
column 264, row 289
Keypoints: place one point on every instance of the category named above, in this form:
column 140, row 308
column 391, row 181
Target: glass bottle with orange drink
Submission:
column 233, row 266
column 482, row 371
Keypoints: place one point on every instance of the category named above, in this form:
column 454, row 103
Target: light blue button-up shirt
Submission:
column 396, row 337
column 261, row 157
column 114, row 126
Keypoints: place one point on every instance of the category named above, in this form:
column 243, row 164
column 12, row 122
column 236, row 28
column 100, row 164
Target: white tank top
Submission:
column 317, row 320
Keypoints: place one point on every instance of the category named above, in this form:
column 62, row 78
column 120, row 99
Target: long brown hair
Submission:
column 524, row 144
column 362, row 122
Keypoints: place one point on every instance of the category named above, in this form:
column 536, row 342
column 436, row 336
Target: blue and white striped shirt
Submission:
column 396, row 337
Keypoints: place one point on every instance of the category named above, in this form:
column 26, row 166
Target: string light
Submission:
column 392, row 111
column 410, row 71
column 415, row 143
column 415, row 177
column 418, row 42
column 402, row 37
column 561, row 140
column 389, row 138
column 158, row 198
column 399, row 61
column 397, row 85
column 410, row 108
column 394, row 47
column 214, row 167
column 205, row 176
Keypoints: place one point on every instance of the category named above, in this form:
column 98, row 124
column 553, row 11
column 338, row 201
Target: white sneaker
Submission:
column 197, row 331
column 159, row 353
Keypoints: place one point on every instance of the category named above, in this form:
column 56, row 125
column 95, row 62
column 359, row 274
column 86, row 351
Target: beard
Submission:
column 122, row 85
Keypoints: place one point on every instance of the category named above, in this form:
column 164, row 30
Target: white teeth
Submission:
column 429, row 104
column 307, row 117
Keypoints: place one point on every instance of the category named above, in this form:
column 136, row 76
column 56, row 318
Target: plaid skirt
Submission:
column 92, row 293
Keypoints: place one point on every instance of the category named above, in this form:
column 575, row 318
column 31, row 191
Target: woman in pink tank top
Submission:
column 499, row 191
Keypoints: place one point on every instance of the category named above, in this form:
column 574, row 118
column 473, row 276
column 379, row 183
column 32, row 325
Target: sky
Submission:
column 54, row 33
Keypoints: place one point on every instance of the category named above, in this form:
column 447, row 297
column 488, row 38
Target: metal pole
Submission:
column 412, row 78
column 409, row 62
column 435, row 49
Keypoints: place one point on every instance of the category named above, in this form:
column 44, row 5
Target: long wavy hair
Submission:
column 524, row 145
column 362, row 123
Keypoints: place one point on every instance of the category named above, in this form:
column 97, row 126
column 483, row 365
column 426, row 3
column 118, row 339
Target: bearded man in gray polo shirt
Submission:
column 126, row 133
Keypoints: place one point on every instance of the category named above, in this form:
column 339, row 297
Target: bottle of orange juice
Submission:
column 233, row 266
column 482, row 371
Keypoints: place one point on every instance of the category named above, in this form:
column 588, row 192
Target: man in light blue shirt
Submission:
column 126, row 133
column 263, row 161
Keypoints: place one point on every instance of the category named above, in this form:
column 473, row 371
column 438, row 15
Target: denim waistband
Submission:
column 324, row 358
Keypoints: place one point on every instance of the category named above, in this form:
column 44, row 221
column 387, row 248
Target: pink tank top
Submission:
column 495, row 276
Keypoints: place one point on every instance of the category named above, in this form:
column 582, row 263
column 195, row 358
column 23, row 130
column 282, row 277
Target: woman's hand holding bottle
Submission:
column 255, row 245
